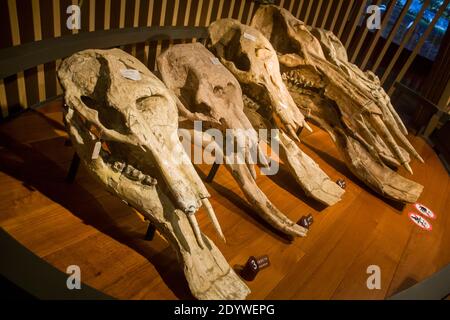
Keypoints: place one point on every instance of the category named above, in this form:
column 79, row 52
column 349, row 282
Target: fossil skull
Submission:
column 208, row 92
column 348, row 103
column 123, row 123
column 253, row 61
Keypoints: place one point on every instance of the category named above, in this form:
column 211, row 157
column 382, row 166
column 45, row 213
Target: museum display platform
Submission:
column 81, row 224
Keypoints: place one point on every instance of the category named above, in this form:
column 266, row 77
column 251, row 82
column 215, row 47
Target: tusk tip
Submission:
column 408, row 168
column 306, row 125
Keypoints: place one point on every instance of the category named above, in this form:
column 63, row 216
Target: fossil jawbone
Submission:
column 208, row 92
column 126, row 164
column 253, row 61
column 348, row 103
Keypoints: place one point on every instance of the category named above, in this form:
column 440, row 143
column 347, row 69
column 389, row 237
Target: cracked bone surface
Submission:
column 253, row 61
column 112, row 98
column 348, row 103
column 209, row 93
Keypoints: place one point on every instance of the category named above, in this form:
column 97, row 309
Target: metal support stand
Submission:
column 150, row 234
column 73, row 170
column 212, row 172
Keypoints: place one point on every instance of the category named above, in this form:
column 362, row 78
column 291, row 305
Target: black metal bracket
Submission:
column 212, row 172
column 150, row 234
column 73, row 169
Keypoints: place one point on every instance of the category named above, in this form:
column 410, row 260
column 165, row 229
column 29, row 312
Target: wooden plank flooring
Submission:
column 84, row 225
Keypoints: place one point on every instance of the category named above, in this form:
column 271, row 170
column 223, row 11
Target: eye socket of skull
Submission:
column 275, row 25
column 233, row 52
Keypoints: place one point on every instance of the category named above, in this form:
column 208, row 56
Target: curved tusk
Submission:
column 212, row 216
column 196, row 229
column 306, row 125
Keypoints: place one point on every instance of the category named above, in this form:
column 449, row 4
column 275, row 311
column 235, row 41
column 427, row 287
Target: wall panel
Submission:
column 37, row 84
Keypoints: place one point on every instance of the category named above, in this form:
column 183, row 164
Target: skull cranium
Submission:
column 209, row 93
column 113, row 99
column 268, row 104
column 346, row 102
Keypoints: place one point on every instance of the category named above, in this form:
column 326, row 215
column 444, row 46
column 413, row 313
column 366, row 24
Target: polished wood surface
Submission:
column 82, row 224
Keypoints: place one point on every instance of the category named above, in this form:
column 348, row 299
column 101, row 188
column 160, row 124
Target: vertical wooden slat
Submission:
column 230, row 12
column 122, row 14
column 299, row 9
column 107, row 22
column 281, row 5
column 316, row 15
column 241, row 10
column 419, row 45
column 336, row 15
column 149, row 23
column 291, row 6
column 37, row 37
column 198, row 14
column 219, row 11
column 161, row 23
column 250, row 13
column 208, row 15
column 362, row 5
column 75, row 2
column 57, row 33
column 187, row 13
column 327, row 13
column 308, row 11
column 3, row 100
column 405, row 40
column 344, row 20
column 91, row 15
column 384, row 23
column 392, row 34
column 362, row 38
column 56, row 19
column 12, row 9
column 137, row 6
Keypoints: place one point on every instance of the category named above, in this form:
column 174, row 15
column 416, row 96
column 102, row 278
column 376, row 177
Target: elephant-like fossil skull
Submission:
column 208, row 92
column 348, row 103
column 253, row 61
column 123, row 123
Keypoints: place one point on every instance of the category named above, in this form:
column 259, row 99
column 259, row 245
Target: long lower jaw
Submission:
column 262, row 204
column 308, row 174
column 375, row 174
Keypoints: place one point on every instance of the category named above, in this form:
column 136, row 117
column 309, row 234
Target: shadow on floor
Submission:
column 37, row 172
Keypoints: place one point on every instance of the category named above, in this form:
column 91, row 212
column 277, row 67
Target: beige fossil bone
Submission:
column 113, row 99
column 208, row 92
column 349, row 104
column 253, row 61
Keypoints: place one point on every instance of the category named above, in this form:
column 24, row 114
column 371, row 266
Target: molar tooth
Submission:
column 149, row 181
column 128, row 170
column 118, row 166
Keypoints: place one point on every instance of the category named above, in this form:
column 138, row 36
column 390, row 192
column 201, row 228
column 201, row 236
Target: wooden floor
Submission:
column 82, row 224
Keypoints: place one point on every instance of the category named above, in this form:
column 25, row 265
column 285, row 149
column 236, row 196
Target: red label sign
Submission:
column 425, row 211
column 420, row 221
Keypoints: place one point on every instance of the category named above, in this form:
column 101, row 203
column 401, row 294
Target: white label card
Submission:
column 249, row 36
column 215, row 61
column 131, row 74
column 96, row 151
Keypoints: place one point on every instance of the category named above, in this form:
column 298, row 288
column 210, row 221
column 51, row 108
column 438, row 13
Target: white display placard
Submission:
column 131, row 74
column 249, row 36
